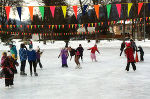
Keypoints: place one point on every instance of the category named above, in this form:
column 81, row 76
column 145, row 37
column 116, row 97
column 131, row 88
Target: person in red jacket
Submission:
column 129, row 52
column 93, row 50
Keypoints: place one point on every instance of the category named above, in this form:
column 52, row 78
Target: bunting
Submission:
column 97, row 10
column 19, row 12
column 108, row 9
column 31, row 12
column 139, row 7
column 119, row 9
column 64, row 9
column 7, row 12
column 52, row 8
column 129, row 8
column 75, row 8
column 42, row 12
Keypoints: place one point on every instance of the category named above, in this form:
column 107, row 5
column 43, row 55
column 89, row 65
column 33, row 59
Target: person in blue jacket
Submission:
column 32, row 60
column 23, row 58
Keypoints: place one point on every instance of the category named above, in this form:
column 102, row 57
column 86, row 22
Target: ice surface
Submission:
column 105, row 79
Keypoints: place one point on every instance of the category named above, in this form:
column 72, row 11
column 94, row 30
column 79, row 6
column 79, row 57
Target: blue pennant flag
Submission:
column 19, row 12
column 149, row 6
column 84, row 9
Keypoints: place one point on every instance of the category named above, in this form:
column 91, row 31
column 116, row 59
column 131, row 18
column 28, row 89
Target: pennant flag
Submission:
column 31, row 12
column 84, row 9
column 19, row 12
column 75, row 8
column 0, row 26
column 149, row 6
column 129, row 8
column 52, row 8
column 7, row 12
column 56, row 26
column 52, row 26
column 97, row 10
column 108, row 9
column 64, row 9
column 35, row 26
column 99, row 24
column 75, row 25
column 28, row 26
column 31, row 26
column 139, row 7
column 49, row 26
column 119, row 9
column 42, row 12
column 72, row 25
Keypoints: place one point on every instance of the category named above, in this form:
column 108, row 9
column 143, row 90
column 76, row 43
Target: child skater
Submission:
column 77, row 56
column 80, row 49
column 141, row 53
column 129, row 52
column 93, row 50
column 8, row 66
column 38, row 55
column 64, row 56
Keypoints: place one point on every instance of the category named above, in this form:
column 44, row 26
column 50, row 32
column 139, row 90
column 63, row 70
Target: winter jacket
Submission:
column 80, row 49
column 13, row 51
column 93, row 49
column 129, row 52
column 141, row 50
column 3, row 59
column 23, row 54
column 31, row 55
column 122, row 46
column 38, row 54
column 133, row 45
column 72, row 52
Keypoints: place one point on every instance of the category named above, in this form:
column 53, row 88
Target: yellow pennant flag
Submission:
column 52, row 26
column 129, row 8
column 64, row 9
column 31, row 26
column 72, row 25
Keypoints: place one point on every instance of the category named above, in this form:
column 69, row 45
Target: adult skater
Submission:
column 23, row 58
column 72, row 52
column 93, row 50
column 8, row 66
column 123, row 44
column 38, row 55
column 140, row 49
column 32, row 60
column 14, row 53
column 64, row 56
column 129, row 52
column 77, row 56
column 80, row 49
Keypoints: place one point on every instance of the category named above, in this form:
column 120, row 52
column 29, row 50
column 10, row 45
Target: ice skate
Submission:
column 36, row 74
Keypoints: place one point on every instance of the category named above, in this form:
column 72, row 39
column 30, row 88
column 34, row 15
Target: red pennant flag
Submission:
column 63, row 26
column 69, row 26
column 146, row 18
column 75, row 25
column 139, row 7
column 14, row 26
column 95, row 24
column 35, row 26
column 108, row 22
column 28, row 26
column 119, row 9
column 49, row 26
column 75, row 10
column 20, row 26
column 56, row 26
column 52, row 8
column 97, row 10
column 7, row 26
column 0, row 26
column 7, row 12
column 140, row 19
column 88, row 24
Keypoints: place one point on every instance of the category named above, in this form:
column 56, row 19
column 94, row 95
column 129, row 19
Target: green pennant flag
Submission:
column 42, row 12
column 59, row 26
column 38, row 26
column 108, row 9
column 18, row 26
column 79, row 25
column 99, row 24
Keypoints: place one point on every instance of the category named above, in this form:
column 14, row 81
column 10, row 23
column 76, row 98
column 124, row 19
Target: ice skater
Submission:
column 140, row 49
column 64, row 56
column 93, row 50
column 122, row 47
column 8, row 66
column 72, row 52
column 77, row 56
column 80, row 49
column 23, row 58
column 129, row 52
column 32, row 60
column 38, row 55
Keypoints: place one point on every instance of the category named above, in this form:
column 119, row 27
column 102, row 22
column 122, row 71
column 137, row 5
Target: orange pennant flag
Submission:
column 75, row 10
column 97, row 10
column 31, row 12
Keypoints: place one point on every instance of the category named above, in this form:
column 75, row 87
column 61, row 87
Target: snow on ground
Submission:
column 105, row 79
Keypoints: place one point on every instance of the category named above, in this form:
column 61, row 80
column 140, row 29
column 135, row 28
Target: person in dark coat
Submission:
column 129, row 52
column 64, row 57
column 8, row 66
column 80, row 49
column 122, row 47
column 32, row 60
column 23, row 58
column 72, row 52
column 38, row 55
column 133, row 45
column 141, row 53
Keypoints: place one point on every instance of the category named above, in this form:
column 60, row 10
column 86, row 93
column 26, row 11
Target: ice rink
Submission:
column 105, row 79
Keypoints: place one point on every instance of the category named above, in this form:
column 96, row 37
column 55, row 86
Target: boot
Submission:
column 36, row 74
